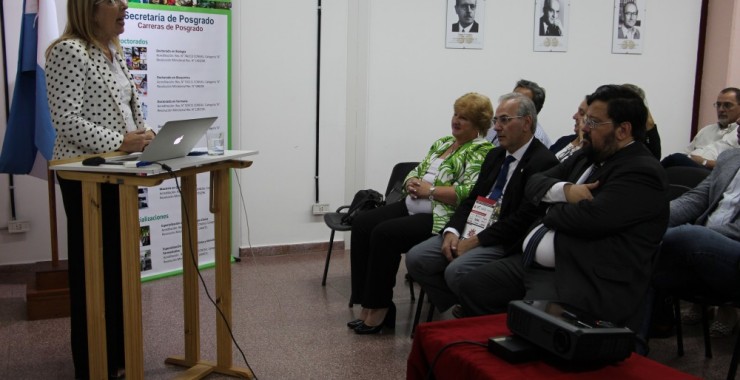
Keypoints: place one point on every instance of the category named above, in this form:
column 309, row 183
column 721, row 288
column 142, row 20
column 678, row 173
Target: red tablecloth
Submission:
column 470, row 362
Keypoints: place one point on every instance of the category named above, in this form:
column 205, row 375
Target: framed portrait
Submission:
column 551, row 20
column 464, row 24
column 628, row 36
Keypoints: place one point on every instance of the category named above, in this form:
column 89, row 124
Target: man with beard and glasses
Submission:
column 608, row 209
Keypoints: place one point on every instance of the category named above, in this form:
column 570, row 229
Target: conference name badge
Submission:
column 480, row 217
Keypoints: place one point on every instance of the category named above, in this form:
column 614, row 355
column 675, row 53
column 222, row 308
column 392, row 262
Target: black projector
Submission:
column 569, row 333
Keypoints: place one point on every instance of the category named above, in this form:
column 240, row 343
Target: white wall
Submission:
column 31, row 194
column 387, row 90
column 413, row 80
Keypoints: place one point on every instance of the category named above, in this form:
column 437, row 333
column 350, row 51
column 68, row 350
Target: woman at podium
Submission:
column 95, row 109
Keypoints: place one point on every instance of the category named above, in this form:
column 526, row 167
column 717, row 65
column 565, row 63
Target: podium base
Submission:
column 47, row 293
column 203, row 368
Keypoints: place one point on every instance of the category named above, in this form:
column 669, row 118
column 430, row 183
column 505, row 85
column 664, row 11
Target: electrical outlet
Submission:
column 17, row 226
column 321, row 208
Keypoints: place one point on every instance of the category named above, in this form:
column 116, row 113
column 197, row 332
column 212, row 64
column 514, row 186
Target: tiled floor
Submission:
column 288, row 325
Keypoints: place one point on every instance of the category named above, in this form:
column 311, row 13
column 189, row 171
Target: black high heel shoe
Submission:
column 353, row 324
column 389, row 321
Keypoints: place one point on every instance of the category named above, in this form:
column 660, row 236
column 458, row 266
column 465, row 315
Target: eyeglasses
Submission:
column 592, row 124
column 503, row 120
column 724, row 105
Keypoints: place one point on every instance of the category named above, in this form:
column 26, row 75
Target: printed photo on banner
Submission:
column 145, row 235
column 217, row 4
column 465, row 24
column 140, row 82
column 135, row 57
column 629, row 26
column 551, row 20
column 146, row 259
column 143, row 197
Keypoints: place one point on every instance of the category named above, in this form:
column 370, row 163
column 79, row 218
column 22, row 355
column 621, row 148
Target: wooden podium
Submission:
column 128, row 180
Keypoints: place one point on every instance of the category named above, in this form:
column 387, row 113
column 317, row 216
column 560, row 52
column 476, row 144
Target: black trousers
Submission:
column 379, row 237
column 680, row 159
column 72, row 196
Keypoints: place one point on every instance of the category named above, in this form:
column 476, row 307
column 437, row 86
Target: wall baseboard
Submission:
column 275, row 250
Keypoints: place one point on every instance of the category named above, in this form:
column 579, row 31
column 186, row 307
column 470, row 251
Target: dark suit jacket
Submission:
column 605, row 248
column 473, row 29
column 516, row 214
column 561, row 143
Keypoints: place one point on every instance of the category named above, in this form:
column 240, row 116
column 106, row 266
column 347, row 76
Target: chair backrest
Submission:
column 399, row 173
column 686, row 175
column 684, row 178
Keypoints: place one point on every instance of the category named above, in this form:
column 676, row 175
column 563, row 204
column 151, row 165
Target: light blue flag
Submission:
column 29, row 129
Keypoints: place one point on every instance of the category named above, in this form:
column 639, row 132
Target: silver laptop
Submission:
column 174, row 140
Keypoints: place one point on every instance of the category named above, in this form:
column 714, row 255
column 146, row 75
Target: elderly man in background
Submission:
column 713, row 139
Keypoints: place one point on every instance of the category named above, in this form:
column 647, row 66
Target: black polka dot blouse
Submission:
column 83, row 100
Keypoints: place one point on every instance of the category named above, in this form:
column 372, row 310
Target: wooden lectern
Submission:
column 128, row 180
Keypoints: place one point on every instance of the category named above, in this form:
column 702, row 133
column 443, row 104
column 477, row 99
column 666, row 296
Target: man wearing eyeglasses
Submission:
column 465, row 10
column 492, row 221
column 537, row 93
column 713, row 139
column 607, row 211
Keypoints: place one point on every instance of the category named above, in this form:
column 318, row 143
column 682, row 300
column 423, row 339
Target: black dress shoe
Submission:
column 388, row 321
column 354, row 324
column 364, row 329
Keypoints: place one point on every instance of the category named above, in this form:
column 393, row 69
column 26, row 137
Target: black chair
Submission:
column 686, row 176
column 419, row 307
column 333, row 220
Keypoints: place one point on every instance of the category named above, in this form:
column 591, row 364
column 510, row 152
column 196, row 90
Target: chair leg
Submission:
column 411, row 286
column 733, row 363
column 417, row 316
column 431, row 311
column 705, row 330
column 328, row 257
column 679, row 327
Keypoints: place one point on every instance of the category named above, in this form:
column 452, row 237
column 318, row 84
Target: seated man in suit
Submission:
column 465, row 10
column 438, row 263
column 701, row 249
column 608, row 209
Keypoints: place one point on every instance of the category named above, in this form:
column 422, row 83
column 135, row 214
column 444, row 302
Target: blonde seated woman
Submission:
column 433, row 190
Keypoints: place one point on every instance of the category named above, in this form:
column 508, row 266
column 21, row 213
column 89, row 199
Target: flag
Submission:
column 29, row 130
